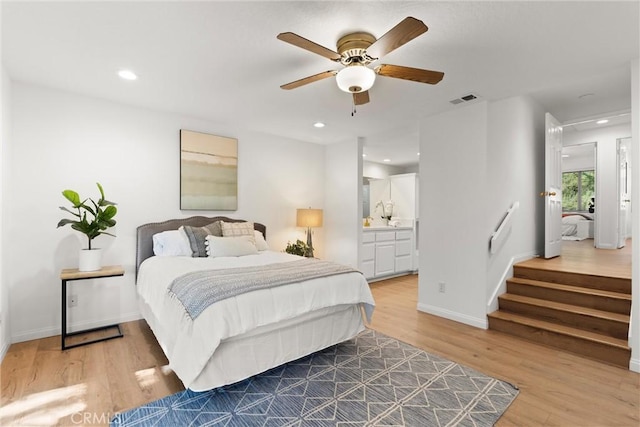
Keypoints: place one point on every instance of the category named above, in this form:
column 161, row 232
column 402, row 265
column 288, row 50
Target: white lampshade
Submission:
column 355, row 78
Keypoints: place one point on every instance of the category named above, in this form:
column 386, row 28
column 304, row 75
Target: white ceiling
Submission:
column 581, row 152
column 221, row 61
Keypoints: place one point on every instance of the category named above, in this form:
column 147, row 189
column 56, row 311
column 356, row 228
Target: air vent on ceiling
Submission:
column 465, row 98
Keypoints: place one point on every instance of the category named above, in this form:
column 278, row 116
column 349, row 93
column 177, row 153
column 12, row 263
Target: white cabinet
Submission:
column 404, row 250
column 368, row 254
column 386, row 252
column 385, row 262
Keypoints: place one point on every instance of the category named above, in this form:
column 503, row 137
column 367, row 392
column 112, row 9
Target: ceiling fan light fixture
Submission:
column 355, row 78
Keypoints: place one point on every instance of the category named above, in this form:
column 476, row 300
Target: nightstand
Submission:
column 72, row 274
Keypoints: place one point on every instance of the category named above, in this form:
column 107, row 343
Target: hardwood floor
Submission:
column 42, row 385
column 556, row 388
column 582, row 257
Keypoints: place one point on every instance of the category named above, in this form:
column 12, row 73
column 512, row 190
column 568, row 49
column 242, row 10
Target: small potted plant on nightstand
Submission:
column 92, row 219
column 297, row 248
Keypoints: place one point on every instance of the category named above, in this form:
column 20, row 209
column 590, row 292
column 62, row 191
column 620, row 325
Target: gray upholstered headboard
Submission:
column 145, row 232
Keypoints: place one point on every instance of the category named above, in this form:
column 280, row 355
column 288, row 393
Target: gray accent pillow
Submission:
column 198, row 235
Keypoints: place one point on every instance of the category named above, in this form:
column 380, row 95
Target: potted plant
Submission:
column 297, row 248
column 92, row 219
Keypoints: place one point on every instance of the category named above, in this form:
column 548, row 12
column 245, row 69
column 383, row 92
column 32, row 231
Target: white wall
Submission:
column 515, row 172
column 411, row 168
column 5, row 167
column 606, row 230
column 62, row 140
column 580, row 163
column 380, row 171
column 343, row 201
column 634, row 364
column 476, row 161
column 454, row 229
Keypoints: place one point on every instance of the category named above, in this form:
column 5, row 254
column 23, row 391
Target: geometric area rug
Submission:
column 370, row 380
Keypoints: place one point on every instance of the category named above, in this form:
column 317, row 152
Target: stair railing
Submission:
column 499, row 236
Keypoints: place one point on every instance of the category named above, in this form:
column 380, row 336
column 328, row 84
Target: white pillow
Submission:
column 171, row 243
column 230, row 246
column 261, row 244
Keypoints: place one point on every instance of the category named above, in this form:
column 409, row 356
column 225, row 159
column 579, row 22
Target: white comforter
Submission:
column 189, row 344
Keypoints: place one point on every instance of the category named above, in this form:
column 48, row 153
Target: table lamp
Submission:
column 309, row 218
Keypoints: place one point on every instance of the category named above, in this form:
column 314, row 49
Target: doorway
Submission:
column 579, row 183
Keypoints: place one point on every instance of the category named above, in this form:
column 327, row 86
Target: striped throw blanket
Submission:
column 198, row 290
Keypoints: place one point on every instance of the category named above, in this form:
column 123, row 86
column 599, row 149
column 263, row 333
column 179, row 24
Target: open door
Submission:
column 624, row 199
column 553, row 187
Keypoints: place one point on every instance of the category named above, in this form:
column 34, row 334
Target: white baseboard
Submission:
column 3, row 350
column 606, row 246
column 35, row 334
column 391, row 276
column 452, row 315
column 634, row 365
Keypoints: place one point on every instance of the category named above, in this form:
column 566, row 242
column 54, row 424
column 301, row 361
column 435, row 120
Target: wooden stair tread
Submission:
column 608, row 315
column 575, row 272
column 566, row 276
column 571, row 288
column 561, row 329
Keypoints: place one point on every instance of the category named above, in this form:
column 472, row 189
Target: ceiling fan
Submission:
column 356, row 51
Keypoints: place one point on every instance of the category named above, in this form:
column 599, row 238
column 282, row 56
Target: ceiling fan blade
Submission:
column 303, row 43
column 310, row 79
column 407, row 30
column 408, row 73
column 361, row 98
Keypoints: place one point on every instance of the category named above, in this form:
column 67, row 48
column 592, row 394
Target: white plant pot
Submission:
column 90, row 260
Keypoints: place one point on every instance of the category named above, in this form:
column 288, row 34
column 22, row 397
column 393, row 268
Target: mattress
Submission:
column 291, row 320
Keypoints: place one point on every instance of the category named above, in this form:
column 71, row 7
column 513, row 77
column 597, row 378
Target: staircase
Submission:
column 581, row 313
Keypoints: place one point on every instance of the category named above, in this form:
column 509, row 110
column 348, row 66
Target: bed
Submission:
column 570, row 223
column 249, row 333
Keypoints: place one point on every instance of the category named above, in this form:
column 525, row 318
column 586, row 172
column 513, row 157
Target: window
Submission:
column 578, row 188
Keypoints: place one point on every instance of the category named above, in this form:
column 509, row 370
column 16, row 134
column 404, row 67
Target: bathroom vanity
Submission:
column 387, row 251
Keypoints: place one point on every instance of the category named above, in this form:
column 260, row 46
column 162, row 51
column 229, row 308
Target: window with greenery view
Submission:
column 577, row 190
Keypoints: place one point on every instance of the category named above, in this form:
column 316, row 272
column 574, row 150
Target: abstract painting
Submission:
column 208, row 172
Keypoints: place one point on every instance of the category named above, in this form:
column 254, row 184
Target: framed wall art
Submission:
column 208, row 172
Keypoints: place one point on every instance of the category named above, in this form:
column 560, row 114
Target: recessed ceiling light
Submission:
column 418, row 154
column 603, row 121
column 386, row 160
column 127, row 75
column 564, row 156
column 364, row 155
column 319, row 124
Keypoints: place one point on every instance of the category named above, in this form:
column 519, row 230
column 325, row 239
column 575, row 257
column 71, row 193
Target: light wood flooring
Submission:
column 581, row 257
column 42, row 385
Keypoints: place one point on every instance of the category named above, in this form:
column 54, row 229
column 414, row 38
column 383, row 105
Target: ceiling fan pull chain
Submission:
column 353, row 108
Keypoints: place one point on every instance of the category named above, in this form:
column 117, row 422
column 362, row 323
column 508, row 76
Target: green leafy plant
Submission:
column 92, row 218
column 297, row 248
